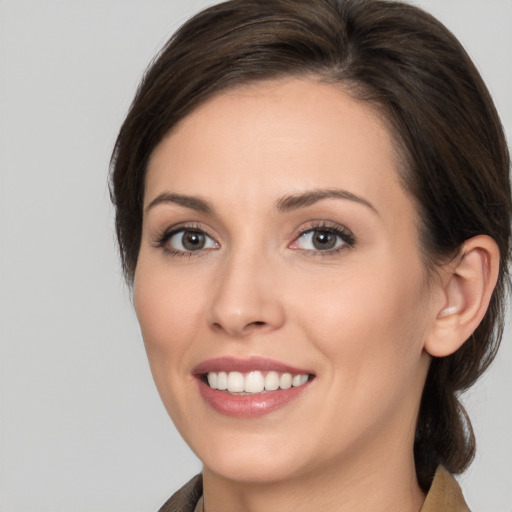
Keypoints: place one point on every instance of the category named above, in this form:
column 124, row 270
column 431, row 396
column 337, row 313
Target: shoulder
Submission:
column 185, row 499
column 445, row 494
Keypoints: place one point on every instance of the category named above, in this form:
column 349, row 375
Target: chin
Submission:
column 252, row 470
column 248, row 458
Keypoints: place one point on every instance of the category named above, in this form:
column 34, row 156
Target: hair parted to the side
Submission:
column 414, row 71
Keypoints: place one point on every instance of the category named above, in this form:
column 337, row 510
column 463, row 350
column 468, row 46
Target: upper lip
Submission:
column 233, row 364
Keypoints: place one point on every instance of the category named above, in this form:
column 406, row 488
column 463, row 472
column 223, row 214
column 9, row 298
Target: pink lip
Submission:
column 231, row 364
column 247, row 406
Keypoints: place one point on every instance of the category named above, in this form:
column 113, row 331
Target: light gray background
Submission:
column 81, row 425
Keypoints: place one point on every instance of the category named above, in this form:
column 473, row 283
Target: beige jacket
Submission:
column 444, row 495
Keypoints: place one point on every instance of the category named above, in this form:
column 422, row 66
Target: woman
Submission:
column 313, row 207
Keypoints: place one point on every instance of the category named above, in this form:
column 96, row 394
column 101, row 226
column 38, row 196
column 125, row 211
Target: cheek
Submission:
column 374, row 316
column 169, row 312
column 369, row 328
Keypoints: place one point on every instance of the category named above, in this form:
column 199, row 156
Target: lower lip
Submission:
column 249, row 406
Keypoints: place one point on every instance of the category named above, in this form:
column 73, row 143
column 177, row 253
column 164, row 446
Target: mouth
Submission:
column 254, row 382
column 251, row 387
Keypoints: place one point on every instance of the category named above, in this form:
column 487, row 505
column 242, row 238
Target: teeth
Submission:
column 235, row 382
column 285, row 381
column 222, row 380
column 272, row 381
column 213, row 380
column 254, row 382
column 298, row 380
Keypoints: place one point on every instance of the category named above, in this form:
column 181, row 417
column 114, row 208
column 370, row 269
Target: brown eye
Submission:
column 193, row 241
column 324, row 240
column 187, row 240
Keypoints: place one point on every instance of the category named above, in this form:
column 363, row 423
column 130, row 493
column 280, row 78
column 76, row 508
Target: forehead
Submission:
column 271, row 138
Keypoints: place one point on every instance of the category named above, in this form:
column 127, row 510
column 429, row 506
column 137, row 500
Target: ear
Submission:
column 466, row 289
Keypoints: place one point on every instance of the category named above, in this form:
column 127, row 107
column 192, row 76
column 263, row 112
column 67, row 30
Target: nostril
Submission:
column 241, row 329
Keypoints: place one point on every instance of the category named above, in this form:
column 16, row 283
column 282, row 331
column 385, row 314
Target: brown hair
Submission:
column 407, row 64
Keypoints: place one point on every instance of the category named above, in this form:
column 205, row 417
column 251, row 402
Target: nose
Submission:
column 246, row 298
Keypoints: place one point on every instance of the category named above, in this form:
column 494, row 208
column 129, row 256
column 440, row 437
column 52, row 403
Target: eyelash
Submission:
column 162, row 239
column 346, row 236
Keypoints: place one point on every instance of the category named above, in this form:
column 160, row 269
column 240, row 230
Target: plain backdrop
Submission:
column 81, row 425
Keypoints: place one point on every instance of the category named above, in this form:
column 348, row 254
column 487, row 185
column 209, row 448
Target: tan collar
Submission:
column 199, row 506
column 445, row 494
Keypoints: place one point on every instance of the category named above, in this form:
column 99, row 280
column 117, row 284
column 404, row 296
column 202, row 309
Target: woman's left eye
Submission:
column 323, row 239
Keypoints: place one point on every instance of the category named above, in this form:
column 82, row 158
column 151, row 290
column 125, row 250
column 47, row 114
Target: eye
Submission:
column 188, row 240
column 324, row 239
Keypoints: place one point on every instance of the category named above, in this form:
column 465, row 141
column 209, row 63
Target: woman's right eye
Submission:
column 188, row 240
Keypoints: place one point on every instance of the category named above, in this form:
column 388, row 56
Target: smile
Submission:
column 254, row 382
column 251, row 387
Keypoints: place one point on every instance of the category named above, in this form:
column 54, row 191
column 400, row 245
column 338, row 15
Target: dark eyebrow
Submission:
column 284, row 204
column 192, row 202
column 301, row 200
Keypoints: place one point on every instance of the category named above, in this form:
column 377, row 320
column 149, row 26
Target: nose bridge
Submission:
column 244, row 298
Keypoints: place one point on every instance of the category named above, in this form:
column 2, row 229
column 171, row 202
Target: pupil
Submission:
column 324, row 240
column 193, row 241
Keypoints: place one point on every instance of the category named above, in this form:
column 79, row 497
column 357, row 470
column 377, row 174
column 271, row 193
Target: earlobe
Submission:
column 467, row 286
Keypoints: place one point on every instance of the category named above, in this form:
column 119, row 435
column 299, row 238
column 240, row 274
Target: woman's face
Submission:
column 278, row 245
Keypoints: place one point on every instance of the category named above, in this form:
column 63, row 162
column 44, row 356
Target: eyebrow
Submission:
column 284, row 204
column 302, row 200
column 192, row 202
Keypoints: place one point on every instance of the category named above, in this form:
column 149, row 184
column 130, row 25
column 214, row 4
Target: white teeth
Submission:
column 296, row 380
column 222, row 381
column 285, row 382
column 213, row 380
column 235, row 382
column 255, row 381
column 272, row 381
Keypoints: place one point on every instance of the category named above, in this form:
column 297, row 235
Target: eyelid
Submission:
column 346, row 236
column 161, row 239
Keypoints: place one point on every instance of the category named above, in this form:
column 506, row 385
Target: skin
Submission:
column 358, row 317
